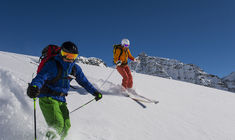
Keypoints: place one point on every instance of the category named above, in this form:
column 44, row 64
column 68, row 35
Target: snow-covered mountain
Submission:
column 186, row 111
column 174, row 69
column 230, row 81
column 91, row 61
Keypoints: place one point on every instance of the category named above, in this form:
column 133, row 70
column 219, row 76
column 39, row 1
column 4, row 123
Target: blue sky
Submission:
column 201, row 32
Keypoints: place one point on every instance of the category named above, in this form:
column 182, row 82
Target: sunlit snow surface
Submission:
column 185, row 112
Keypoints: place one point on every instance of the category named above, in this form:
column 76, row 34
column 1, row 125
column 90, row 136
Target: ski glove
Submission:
column 97, row 95
column 137, row 60
column 119, row 62
column 33, row 91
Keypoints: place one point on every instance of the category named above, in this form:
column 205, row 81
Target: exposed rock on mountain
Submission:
column 91, row 61
column 174, row 69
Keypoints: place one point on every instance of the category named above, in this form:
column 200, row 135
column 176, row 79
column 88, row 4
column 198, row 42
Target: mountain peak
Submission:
column 174, row 69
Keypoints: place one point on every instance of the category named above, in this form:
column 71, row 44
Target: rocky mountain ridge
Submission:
column 230, row 81
column 91, row 61
column 174, row 69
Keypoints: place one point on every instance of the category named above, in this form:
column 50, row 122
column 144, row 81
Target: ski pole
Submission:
column 107, row 79
column 103, row 82
column 82, row 105
column 35, row 127
column 94, row 98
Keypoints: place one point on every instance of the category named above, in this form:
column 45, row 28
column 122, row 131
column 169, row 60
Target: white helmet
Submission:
column 125, row 42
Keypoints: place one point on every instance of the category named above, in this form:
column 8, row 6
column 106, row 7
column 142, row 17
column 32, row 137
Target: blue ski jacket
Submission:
column 49, row 72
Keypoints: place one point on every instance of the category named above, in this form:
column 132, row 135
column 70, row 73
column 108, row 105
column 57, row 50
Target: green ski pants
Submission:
column 56, row 115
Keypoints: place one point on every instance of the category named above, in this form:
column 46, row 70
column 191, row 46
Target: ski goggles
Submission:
column 126, row 45
column 68, row 56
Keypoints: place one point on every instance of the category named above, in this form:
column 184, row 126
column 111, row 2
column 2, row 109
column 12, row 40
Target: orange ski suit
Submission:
column 123, row 53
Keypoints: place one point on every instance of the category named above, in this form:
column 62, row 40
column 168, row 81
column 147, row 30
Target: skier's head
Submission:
column 125, row 43
column 69, row 51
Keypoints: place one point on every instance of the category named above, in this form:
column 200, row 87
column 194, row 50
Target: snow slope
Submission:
column 185, row 112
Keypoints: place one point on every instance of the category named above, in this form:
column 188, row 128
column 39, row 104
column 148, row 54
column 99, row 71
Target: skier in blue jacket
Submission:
column 51, row 92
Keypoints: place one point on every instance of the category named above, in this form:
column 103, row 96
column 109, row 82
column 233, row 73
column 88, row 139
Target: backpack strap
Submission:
column 73, row 74
column 120, row 53
column 59, row 73
column 74, row 71
column 45, row 88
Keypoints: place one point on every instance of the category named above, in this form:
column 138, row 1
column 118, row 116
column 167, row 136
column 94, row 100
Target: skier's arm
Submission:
column 130, row 56
column 82, row 80
column 47, row 71
column 116, row 55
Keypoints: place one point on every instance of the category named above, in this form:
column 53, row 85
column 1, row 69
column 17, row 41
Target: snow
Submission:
column 230, row 77
column 91, row 61
column 186, row 111
column 173, row 69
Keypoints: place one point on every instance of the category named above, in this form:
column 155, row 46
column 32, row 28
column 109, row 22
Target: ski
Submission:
column 144, row 99
column 135, row 99
column 139, row 98
column 138, row 102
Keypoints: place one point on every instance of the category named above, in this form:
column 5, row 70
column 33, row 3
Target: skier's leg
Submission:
column 130, row 78
column 124, row 75
column 52, row 113
column 67, row 123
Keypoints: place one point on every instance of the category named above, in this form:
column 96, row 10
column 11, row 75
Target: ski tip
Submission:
column 156, row 102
